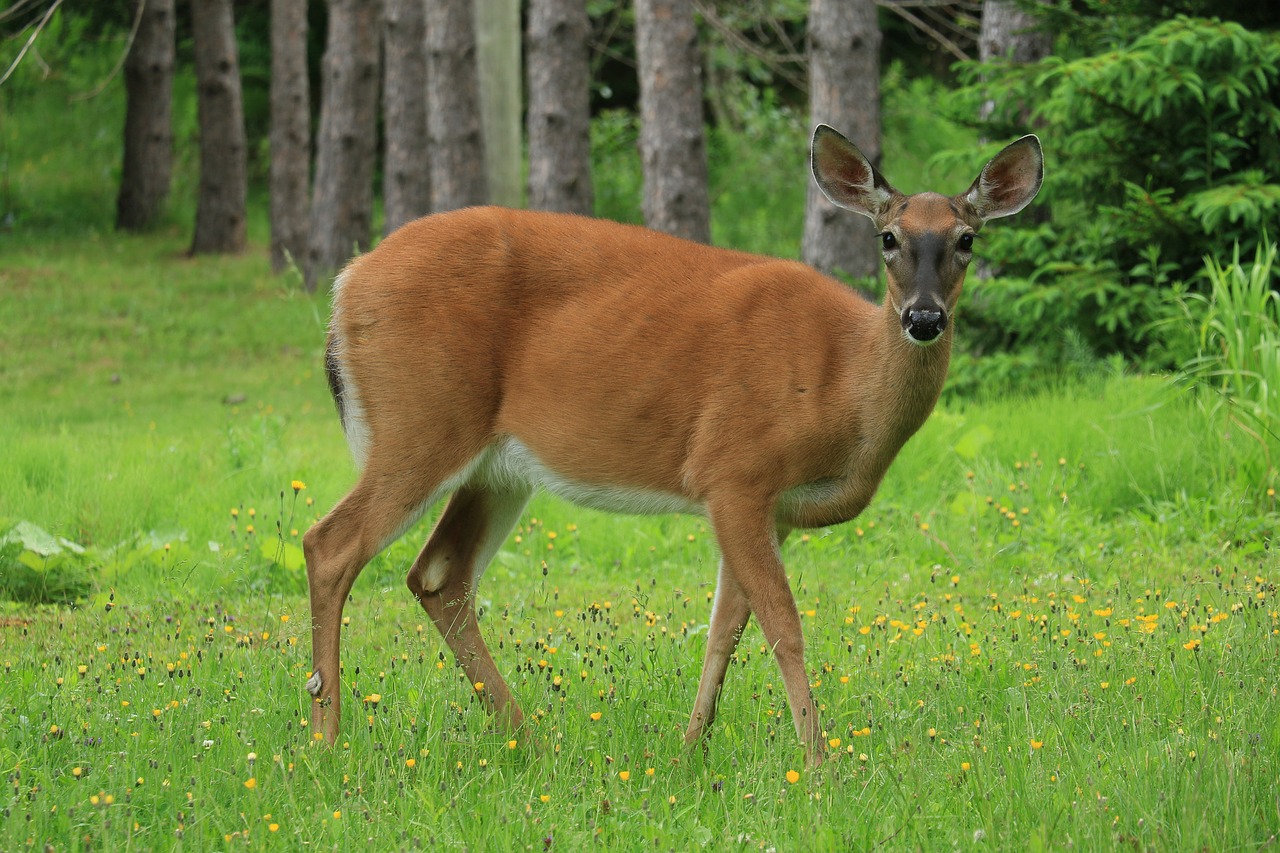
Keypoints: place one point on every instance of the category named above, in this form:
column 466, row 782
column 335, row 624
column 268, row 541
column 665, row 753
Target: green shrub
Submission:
column 1161, row 149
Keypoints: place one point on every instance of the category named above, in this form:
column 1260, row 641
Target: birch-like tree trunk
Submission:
column 346, row 145
column 220, row 207
column 844, row 92
column 148, row 124
column 1010, row 32
column 458, row 177
column 559, row 115
column 290, row 168
column 673, row 149
column 406, row 177
column 498, row 51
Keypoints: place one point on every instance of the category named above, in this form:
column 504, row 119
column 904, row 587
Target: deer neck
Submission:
column 906, row 380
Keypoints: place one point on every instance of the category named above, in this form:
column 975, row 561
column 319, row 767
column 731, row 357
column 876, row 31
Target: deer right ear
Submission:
column 846, row 177
column 1010, row 181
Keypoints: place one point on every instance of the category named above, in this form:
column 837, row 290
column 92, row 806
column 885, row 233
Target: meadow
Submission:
column 1055, row 627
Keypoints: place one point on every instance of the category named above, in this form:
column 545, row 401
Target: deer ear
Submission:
column 1010, row 181
column 846, row 177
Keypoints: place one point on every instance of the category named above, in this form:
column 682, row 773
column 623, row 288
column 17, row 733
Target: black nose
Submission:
column 924, row 324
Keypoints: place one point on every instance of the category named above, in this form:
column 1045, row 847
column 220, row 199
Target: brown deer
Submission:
column 486, row 352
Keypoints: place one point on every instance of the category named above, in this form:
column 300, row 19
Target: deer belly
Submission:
column 511, row 463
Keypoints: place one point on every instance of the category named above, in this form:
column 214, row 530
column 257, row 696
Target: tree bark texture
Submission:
column 559, row 114
column 1010, row 32
column 673, row 150
column 346, row 144
column 498, row 49
column 406, row 178
column 458, row 177
column 148, row 125
column 290, row 169
column 844, row 92
column 220, row 206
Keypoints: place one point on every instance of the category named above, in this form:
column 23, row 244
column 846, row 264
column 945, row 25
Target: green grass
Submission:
column 1055, row 627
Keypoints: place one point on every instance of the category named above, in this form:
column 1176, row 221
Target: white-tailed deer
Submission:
column 487, row 352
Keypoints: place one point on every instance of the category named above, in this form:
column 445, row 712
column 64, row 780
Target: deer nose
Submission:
column 923, row 325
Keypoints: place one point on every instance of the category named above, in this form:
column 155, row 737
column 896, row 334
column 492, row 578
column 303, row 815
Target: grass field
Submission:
column 1056, row 626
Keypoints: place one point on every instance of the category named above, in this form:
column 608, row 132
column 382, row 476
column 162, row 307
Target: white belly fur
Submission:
column 510, row 463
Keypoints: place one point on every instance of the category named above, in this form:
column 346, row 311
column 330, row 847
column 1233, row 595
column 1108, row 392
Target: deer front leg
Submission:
column 749, row 543
column 729, row 615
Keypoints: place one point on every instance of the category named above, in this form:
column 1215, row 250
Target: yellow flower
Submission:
column 595, row 716
column 546, row 798
column 1036, row 744
column 337, row 815
column 298, row 486
column 965, row 766
column 410, row 763
column 624, row 775
column 274, row 827
column 793, row 777
column 512, row 744
column 251, row 783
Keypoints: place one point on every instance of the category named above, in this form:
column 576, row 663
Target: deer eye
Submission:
column 965, row 243
column 888, row 241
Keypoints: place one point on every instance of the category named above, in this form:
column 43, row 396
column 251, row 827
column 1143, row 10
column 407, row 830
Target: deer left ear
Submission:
column 846, row 177
column 1010, row 181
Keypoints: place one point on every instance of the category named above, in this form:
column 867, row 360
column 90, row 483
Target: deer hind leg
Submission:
column 729, row 615
column 475, row 523
column 384, row 503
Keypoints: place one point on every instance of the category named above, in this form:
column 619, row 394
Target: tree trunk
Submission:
column 220, row 207
column 844, row 92
column 1010, row 32
column 559, row 115
column 406, row 179
column 458, row 177
column 148, row 126
column 673, row 149
column 290, row 177
column 498, row 56
column 346, row 145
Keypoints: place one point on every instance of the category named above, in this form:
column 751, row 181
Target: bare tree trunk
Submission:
column 498, row 57
column 220, row 207
column 458, row 177
column 406, row 178
column 673, row 149
column 1010, row 32
column 346, row 146
column 290, row 176
column 148, row 125
column 844, row 92
column 559, row 115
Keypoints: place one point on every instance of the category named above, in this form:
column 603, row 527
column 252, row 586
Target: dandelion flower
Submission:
column 965, row 766
column 298, row 486
column 1036, row 744
column 792, row 777
column 595, row 716
column 624, row 775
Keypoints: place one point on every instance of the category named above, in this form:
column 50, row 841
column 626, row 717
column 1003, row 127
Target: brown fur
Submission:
column 624, row 359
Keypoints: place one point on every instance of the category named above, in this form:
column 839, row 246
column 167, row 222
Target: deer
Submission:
column 484, row 353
